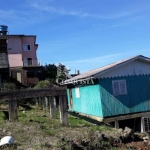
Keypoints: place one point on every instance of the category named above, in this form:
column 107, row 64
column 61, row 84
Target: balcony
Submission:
column 29, row 63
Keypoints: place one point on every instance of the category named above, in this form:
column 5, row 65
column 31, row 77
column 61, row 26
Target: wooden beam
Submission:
column 22, row 94
column 13, row 112
column 124, row 117
column 63, row 110
column 52, row 102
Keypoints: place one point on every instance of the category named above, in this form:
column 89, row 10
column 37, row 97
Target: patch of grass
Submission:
column 2, row 116
column 130, row 148
column 114, row 148
column 49, row 132
column 77, row 122
column 36, row 125
column 101, row 128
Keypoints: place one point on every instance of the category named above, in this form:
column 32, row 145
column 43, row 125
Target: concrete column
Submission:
column 13, row 113
column 63, row 110
column 52, row 102
column 117, row 124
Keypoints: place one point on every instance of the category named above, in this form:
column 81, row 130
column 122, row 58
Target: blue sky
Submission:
column 82, row 34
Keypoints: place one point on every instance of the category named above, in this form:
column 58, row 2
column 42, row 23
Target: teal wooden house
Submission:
column 114, row 93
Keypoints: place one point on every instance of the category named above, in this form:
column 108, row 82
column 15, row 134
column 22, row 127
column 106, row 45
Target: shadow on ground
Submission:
column 85, row 118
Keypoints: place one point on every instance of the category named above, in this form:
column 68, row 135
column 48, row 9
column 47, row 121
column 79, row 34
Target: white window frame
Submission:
column 145, row 124
column 26, row 45
column 119, row 91
column 77, row 92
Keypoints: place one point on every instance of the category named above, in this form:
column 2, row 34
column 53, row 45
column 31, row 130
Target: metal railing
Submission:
column 31, row 63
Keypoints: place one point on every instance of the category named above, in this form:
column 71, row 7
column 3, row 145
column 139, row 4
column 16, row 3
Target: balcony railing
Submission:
column 31, row 63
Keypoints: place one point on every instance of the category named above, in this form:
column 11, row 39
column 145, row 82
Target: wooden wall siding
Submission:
column 134, row 68
column 89, row 102
column 137, row 98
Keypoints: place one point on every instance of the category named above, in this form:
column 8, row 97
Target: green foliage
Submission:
column 61, row 73
column 43, row 84
column 8, row 86
column 49, row 72
column 55, row 74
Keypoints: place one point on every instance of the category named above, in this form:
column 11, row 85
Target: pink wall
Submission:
column 32, row 52
column 15, row 60
column 15, row 44
column 16, row 49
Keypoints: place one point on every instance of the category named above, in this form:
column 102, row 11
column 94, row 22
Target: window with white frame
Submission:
column 77, row 92
column 27, row 47
column 119, row 87
column 145, row 124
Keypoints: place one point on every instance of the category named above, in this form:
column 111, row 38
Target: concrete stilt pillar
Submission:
column 52, row 102
column 13, row 113
column 63, row 110
column 117, row 124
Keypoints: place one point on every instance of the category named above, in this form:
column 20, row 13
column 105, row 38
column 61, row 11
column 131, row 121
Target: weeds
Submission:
column 34, row 129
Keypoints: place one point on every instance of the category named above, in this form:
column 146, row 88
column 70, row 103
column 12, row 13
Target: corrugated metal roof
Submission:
column 94, row 72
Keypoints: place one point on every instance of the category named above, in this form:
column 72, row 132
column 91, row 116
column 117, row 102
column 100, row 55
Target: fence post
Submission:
column 13, row 113
column 40, row 101
column 52, row 102
column 36, row 101
column 63, row 110
column 45, row 103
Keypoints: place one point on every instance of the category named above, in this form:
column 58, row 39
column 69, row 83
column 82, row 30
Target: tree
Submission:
column 49, row 72
column 55, row 74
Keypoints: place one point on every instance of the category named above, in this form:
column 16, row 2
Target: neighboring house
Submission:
column 4, row 65
column 24, row 65
column 118, row 93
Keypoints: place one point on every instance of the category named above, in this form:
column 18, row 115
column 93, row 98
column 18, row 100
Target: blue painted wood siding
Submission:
column 89, row 101
column 137, row 98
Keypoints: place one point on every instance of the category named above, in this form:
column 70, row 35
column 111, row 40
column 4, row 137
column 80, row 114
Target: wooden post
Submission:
column 116, row 124
column 63, row 110
column 40, row 101
column 43, row 103
column 46, row 103
column 52, row 102
column 37, row 101
column 13, row 114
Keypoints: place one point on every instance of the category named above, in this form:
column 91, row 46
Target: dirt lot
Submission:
column 34, row 130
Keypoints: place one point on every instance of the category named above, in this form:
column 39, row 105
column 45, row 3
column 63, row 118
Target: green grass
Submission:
column 37, row 123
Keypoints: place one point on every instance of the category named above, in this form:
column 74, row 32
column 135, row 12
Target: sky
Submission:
column 81, row 34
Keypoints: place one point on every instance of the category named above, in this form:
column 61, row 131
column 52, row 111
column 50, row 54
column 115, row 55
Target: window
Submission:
column 26, row 47
column 145, row 124
column 77, row 92
column 119, row 87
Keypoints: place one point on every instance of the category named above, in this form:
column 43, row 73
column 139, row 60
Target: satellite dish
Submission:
column 6, row 140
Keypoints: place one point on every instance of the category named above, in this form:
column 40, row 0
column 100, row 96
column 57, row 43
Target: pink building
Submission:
column 22, row 50
column 23, row 60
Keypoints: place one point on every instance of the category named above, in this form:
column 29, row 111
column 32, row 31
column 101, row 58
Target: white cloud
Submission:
column 20, row 17
column 47, row 7
column 100, row 59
